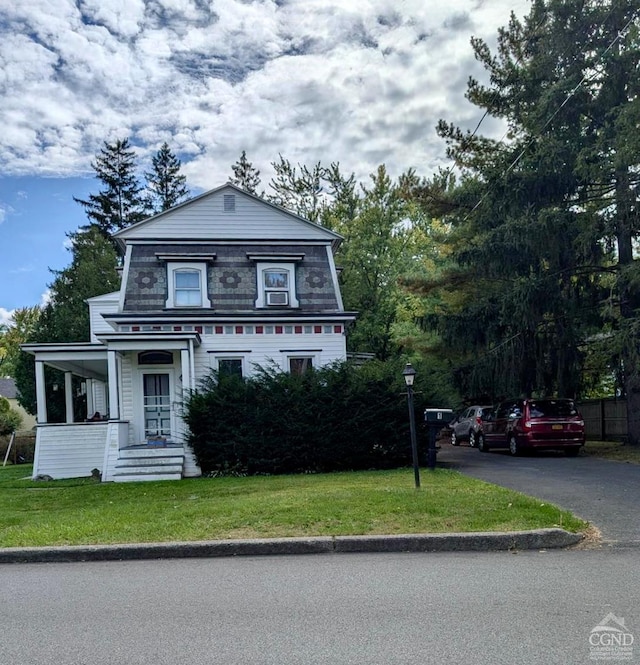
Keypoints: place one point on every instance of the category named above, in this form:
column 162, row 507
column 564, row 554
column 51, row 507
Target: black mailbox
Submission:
column 442, row 416
column 435, row 420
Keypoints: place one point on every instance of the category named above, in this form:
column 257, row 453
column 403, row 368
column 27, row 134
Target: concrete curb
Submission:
column 444, row 542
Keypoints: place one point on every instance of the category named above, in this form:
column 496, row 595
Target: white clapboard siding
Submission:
column 69, row 451
column 205, row 218
column 106, row 304
column 262, row 349
column 126, row 395
column 100, row 397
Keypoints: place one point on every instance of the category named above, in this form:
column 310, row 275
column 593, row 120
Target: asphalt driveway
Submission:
column 605, row 493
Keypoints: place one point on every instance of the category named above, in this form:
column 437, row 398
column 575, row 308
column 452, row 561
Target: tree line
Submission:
column 512, row 272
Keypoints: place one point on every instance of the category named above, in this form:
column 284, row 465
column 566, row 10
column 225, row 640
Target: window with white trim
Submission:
column 187, row 285
column 276, row 285
column 300, row 364
column 228, row 365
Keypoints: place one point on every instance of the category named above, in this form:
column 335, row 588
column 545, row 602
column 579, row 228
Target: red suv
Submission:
column 521, row 424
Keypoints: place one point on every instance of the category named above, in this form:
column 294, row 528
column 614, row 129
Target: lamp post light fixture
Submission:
column 409, row 375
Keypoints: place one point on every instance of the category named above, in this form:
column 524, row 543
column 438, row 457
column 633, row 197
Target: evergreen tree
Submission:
column 299, row 189
column 544, row 222
column 120, row 202
column 167, row 187
column 245, row 175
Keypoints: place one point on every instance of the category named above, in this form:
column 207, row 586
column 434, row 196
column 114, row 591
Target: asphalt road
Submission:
column 605, row 493
column 524, row 608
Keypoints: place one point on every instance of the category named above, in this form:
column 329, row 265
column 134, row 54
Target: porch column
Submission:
column 41, row 397
column 114, row 411
column 68, row 397
column 88, row 383
column 185, row 366
column 192, row 360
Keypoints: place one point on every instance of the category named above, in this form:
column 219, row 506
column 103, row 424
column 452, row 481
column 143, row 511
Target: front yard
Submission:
column 83, row 511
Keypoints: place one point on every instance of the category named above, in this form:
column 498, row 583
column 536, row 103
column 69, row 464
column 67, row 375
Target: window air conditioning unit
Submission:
column 277, row 298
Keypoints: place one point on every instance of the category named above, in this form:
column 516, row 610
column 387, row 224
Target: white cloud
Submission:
column 5, row 316
column 314, row 80
column 45, row 298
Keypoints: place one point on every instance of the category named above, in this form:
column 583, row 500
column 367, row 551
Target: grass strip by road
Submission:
column 84, row 511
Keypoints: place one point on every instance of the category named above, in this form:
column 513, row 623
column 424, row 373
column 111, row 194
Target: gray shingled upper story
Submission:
column 232, row 281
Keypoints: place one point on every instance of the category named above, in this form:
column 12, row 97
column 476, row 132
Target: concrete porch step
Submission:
column 139, row 452
column 174, row 460
column 140, row 476
column 141, row 463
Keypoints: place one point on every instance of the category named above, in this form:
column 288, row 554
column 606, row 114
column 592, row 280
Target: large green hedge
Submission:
column 334, row 418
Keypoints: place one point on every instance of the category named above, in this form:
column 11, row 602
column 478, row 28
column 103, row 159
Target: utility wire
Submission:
column 586, row 77
column 533, row 34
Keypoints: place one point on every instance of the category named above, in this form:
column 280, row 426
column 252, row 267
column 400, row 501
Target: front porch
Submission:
column 133, row 391
column 74, row 450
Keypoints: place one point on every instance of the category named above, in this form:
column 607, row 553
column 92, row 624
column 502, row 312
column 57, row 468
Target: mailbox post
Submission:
column 435, row 420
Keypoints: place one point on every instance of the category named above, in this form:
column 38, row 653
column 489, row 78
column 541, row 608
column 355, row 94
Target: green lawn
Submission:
column 73, row 512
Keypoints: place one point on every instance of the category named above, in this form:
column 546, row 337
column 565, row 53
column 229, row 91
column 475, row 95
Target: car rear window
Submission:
column 552, row 408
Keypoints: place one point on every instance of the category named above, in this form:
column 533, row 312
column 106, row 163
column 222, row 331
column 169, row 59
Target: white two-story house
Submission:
column 224, row 281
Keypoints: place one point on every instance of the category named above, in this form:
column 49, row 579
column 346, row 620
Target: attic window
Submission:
column 229, row 202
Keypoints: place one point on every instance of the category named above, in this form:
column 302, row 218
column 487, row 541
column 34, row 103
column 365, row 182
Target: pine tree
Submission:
column 120, row 202
column 167, row 186
column 543, row 221
column 299, row 189
column 245, row 175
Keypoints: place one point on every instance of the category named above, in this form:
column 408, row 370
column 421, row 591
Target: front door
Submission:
column 157, row 405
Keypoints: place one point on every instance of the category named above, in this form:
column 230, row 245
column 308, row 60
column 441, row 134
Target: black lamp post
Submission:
column 409, row 375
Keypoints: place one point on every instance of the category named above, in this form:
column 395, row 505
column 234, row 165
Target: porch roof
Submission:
column 86, row 359
column 149, row 341
column 89, row 359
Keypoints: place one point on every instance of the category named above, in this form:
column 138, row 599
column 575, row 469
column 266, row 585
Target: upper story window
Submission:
column 276, row 285
column 187, row 285
column 188, row 288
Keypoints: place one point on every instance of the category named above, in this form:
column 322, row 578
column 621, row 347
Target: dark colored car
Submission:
column 468, row 424
column 529, row 424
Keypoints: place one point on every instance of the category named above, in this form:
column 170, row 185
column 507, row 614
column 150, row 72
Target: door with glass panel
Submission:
column 157, row 405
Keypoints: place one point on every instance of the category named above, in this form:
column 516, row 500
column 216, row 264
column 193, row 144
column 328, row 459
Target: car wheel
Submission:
column 514, row 448
column 572, row 451
column 482, row 444
column 454, row 439
column 472, row 439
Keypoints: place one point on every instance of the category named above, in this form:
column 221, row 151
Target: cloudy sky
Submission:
column 362, row 82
